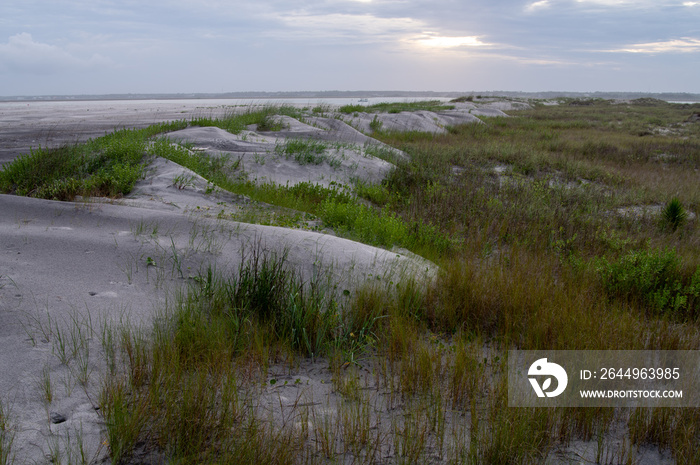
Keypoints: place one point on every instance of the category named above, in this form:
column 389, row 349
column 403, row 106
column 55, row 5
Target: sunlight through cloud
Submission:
column 434, row 41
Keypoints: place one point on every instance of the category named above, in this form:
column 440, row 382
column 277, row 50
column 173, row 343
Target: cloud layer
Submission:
column 99, row 46
column 22, row 55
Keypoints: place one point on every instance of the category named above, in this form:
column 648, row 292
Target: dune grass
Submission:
column 107, row 166
column 260, row 116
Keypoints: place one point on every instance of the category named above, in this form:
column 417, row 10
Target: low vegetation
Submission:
column 543, row 227
column 396, row 107
column 263, row 118
column 108, row 166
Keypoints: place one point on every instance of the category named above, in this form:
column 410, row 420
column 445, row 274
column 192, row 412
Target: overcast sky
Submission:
column 154, row 46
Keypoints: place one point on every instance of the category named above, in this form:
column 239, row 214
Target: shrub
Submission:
column 652, row 277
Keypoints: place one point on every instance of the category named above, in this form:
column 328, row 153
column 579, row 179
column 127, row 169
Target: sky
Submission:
column 62, row 47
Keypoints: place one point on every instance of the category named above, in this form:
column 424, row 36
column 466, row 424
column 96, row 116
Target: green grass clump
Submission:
column 364, row 223
column 235, row 122
column 383, row 228
column 184, row 388
column 107, row 166
column 375, row 125
column 463, row 99
column 378, row 194
column 304, row 151
column 396, row 107
column 266, row 293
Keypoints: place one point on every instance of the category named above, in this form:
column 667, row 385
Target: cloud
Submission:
column 682, row 45
column 24, row 55
column 534, row 6
column 358, row 27
column 635, row 3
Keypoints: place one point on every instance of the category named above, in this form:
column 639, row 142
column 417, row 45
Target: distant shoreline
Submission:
column 667, row 96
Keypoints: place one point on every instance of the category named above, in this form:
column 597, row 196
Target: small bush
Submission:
column 652, row 277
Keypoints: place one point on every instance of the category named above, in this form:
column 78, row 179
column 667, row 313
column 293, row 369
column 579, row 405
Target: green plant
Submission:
column 464, row 98
column 184, row 180
column 673, row 215
column 304, row 151
column 124, row 419
column 106, row 166
column 268, row 123
column 237, row 121
column 654, row 277
column 376, row 125
column 45, row 385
